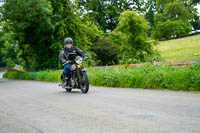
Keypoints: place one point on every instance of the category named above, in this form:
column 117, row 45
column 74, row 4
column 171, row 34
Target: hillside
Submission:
column 180, row 49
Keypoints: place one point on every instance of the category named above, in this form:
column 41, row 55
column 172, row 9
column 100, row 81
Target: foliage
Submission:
column 196, row 1
column 31, row 25
column 196, row 22
column 157, row 77
column 2, row 63
column 68, row 24
column 172, row 19
column 105, row 13
column 36, row 29
column 153, row 77
column 10, row 52
column 134, row 27
column 50, row 76
column 150, row 7
column 107, row 50
column 171, row 28
column 40, row 26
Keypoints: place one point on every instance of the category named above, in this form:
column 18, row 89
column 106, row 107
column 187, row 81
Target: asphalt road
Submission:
column 36, row 107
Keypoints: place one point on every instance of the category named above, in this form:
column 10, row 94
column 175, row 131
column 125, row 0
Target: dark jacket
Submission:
column 64, row 54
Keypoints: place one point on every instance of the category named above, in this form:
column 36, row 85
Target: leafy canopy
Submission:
column 134, row 26
column 172, row 19
column 105, row 13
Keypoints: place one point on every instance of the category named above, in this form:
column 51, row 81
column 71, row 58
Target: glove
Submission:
column 85, row 58
column 65, row 62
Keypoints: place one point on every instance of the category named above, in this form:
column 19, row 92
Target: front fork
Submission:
column 79, row 72
column 79, row 76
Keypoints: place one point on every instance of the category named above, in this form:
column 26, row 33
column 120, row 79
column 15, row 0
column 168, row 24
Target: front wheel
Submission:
column 84, row 84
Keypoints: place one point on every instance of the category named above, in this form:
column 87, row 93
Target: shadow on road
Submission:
column 63, row 92
column 73, row 92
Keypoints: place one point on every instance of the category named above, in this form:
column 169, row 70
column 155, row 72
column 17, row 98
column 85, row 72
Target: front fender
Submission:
column 83, row 70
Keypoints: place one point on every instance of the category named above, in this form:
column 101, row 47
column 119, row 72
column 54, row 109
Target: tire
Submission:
column 62, row 77
column 85, row 85
column 68, row 90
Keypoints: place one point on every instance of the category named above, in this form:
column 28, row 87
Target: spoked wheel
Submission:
column 68, row 90
column 84, row 85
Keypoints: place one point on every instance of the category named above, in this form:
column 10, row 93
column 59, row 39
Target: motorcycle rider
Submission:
column 65, row 59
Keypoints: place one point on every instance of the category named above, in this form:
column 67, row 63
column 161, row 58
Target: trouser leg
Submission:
column 67, row 71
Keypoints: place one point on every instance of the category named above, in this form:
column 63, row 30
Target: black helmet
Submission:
column 68, row 41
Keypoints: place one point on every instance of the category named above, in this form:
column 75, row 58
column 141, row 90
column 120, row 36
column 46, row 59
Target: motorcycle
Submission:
column 78, row 78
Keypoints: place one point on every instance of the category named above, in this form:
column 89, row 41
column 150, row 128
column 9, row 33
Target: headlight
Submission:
column 73, row 67
column 79, row 60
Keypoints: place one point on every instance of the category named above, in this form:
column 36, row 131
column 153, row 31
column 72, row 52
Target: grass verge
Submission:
column 154, row 77
column 49, row 76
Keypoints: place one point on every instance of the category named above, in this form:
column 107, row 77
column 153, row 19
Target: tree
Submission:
column 150, row 10
column 196, row 21
column 40, row 26
column 134, row 26
column 171, row 28
column 2, row 63
column 30, row 22
column 105, row 13
column 9, row 50
column 150, row 7
column 173, row 15
column 68, row 23
column 196, row 1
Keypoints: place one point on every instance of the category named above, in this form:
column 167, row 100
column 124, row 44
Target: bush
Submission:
column 170, row 28
column 107, row 50
column 137, row 47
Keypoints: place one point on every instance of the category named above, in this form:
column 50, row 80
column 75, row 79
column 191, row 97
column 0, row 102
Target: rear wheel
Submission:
column 62, row 77
column 84, row 85
column 68, row 90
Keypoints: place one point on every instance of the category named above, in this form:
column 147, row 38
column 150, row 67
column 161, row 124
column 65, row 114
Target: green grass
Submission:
column 49, row 76
column 153, row 77
column 180, row 49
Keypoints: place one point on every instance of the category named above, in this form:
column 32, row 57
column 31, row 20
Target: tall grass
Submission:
column 49, row 76
column 180, row 49
column 153, row 77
